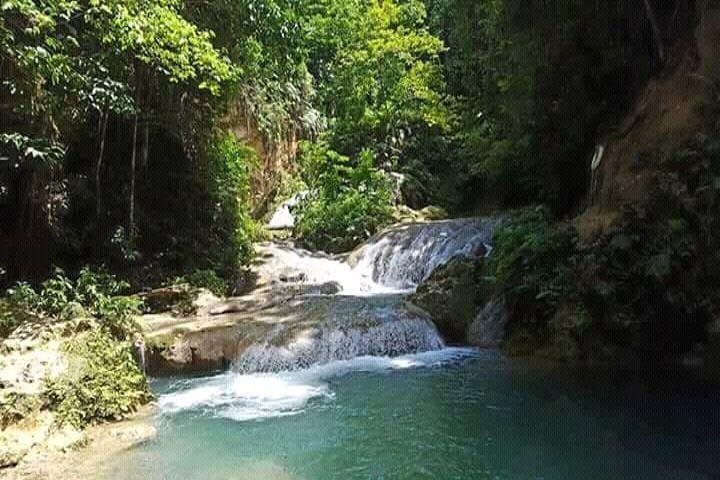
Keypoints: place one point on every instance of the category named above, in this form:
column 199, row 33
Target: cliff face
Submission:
column 665, row 117
column 274, row 157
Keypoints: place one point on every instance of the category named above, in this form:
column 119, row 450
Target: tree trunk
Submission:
column 657, row 34
column 98, row 171
column 133, row 157
column 145, row 147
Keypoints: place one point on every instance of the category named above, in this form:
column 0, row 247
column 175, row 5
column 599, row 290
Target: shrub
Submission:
column 348, row 202
column 102, row 381
column 233, row 228
column 9, row 319
column 208, row 279
column 92, row 293
column 22, row 296
column 16, row 307
column 531, row 255
column 117, row 315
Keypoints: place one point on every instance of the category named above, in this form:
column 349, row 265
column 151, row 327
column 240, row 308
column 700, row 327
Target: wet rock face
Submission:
column 487, row 329
column 453, row 295
column 291, row 334
column 193, row 352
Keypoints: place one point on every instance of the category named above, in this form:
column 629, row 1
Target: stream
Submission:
column 362, row 386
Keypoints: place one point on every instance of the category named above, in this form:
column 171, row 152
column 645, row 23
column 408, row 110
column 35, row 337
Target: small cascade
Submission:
column 299, row 266
column 336, row 308
column 404, row 256
column 396, row 260
column 331, row 343
column 321, row 316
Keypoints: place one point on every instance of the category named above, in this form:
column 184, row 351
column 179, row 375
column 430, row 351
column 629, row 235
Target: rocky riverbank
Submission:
column 70, row 453
column 38, row 437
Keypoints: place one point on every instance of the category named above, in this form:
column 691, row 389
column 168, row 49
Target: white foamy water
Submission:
column 394, row 261
column 264, row 395
column 320, row 268
column 392, row 336
column 404, row 256
column 362, row 323
column 284, row 218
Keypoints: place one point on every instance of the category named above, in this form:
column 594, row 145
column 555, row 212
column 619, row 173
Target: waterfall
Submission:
column 404, row 256
column 319, row 316
column 283, row 217
column 331, row 343
column 336, row 308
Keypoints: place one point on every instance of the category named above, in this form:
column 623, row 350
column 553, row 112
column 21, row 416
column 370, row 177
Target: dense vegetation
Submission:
column 115, row 117
column 110, row 149
column 348, row 200
column 97, row 325
column 120, row 150
column 643, row 290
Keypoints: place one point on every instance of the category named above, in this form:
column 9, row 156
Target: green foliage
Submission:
column 155, row 33
column 91, row 294
column 233, row 229
column 38, row 150
column 646, row 288
column 10, row 318
column 378, row 73
column 264, row 39
column 102, row 381
column 521, row 69
column 349, row 201
column 22, row 296
column 530, row 255
column 207, row 279
column 489, row 68
column 72, row 71
column 533, row 264
column 653, row 277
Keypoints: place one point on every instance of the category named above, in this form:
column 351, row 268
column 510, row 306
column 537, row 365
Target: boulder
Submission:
column 487, row 329
column 452, row 296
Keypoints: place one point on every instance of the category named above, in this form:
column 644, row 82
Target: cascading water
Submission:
column 396, row 260
column 354, row 327
column 404, row 256
column 350, row 382
column 365, row 314
column 334, row 314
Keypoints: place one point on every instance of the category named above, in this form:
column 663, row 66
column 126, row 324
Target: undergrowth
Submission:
column 102, row 381
column 92, row 294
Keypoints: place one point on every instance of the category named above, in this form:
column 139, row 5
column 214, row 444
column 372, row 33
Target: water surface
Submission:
column 453, row 414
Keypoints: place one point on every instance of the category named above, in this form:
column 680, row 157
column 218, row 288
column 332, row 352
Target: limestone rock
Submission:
column 452, row 295
column 9, row 456
column 488, row 327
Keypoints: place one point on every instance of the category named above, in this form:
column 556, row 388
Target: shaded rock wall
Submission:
column 275, row 158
